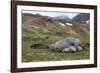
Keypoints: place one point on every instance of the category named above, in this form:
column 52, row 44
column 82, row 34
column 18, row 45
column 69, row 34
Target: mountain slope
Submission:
column 42, row 25
column 82, row 17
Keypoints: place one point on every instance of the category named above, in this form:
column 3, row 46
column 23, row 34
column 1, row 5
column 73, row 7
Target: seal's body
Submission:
column 68, row 44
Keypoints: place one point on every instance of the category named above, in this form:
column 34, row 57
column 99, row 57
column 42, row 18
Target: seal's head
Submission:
column 51, row 47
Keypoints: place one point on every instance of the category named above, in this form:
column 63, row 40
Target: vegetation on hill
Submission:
column 38, row 29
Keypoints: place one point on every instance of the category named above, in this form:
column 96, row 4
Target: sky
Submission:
column 52, row 14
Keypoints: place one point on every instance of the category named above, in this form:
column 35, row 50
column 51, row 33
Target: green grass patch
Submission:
column 35, row 55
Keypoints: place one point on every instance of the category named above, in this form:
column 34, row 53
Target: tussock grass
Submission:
column 35, row 55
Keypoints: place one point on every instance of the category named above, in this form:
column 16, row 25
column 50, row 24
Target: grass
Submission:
column 35, row 55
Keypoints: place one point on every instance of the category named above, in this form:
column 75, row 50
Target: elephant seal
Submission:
column 70, row 48
column 38, row 46
column 68, row 44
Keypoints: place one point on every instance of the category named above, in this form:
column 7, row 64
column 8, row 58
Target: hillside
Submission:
column 82, row 17
column 39, row 25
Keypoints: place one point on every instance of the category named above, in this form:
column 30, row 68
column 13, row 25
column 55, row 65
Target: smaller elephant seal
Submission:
column 70, row 48
column 68, row 44
column 38, row 46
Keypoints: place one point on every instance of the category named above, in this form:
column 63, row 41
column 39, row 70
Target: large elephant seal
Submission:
column 68, row 44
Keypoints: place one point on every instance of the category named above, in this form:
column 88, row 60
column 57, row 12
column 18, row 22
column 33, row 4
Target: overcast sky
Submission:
column 52, row 14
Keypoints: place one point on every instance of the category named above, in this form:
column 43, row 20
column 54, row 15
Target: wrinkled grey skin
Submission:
column 65, row 44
